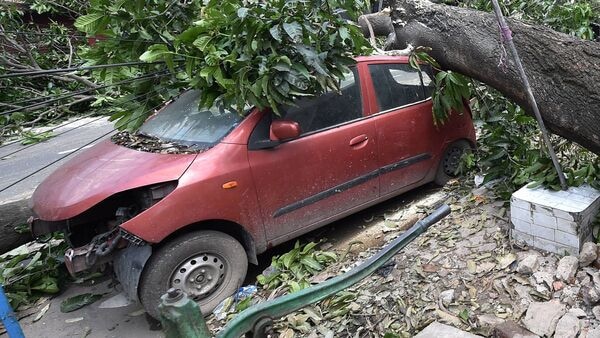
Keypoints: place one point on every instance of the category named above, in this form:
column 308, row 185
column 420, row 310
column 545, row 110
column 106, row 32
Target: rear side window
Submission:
column 329, row 109
column 398, row 85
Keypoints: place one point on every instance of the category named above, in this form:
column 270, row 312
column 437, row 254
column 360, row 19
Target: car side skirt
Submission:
column 349, row 184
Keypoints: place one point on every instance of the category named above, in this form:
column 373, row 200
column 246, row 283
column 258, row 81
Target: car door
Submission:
column 328, row 170
column 403, row 119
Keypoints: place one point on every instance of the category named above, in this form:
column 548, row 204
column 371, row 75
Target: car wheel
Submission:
column 450, row 161
column 208, row 265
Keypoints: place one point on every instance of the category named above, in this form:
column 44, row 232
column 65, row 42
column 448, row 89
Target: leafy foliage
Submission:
column 238, row 53
column 510, row 151
column 28, row 46
column 452, row 89
column 28, row 275
column 292, row 270
column 571, row 17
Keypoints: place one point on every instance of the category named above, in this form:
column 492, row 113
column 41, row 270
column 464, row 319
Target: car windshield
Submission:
column 182, row 122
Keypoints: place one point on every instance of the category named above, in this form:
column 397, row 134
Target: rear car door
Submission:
column 329, row 170
column 403, row 119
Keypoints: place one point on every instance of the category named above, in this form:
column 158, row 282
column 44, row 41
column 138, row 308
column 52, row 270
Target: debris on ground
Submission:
column 464, row 272
column 77, row 302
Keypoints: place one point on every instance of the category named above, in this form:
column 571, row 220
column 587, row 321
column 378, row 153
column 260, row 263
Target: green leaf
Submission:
column 190, row 34
column 242, row 12
column 464, row 315
column 77, row 302
column 89, row 23
column 293, row 30
column 275, row 32
column 155, row 53
column 47, row 284
column 202, row 43
column 311, row 262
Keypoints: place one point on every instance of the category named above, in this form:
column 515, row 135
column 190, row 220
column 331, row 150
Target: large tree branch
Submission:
column 564, row 71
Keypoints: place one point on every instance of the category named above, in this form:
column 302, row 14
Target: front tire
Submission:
column 208, row 265
column 450, row 161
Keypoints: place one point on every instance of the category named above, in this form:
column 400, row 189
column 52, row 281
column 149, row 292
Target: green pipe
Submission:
column 261, row 314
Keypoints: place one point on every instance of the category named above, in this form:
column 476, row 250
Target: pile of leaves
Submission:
column 293, row 270
column 149, row 144
column 26, row 274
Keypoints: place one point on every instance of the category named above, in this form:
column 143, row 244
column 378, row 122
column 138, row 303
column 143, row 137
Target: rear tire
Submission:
column 208, row 265
column 450, row 161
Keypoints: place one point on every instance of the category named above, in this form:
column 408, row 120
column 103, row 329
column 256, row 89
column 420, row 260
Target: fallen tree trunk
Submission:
column 564, row 71
column 13, row 214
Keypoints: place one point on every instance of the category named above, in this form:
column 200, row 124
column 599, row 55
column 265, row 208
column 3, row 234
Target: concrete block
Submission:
column 520, row 236
column 567, row 226
column 561, row 214
column 520, row 204
column 544, row 220
column 543, row 232
column 565, row 238
column 521, row 214
column 558, row 221
column 541, row 210
column 521, row 225
column 552, row 246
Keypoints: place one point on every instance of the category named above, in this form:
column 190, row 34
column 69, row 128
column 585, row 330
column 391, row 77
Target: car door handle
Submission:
column 358, row 140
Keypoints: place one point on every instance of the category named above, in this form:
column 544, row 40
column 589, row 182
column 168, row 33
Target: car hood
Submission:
column 98, row 173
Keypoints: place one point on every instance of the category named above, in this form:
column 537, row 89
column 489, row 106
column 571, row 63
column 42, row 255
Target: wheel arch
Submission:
column 230, row 228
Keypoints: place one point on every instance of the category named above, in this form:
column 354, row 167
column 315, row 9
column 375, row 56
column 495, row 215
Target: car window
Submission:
column 398, row 85
column 329, row 109
column 183, row 122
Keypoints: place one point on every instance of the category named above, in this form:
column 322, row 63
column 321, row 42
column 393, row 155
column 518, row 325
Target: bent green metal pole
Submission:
column 247, row 320
column 507, row 36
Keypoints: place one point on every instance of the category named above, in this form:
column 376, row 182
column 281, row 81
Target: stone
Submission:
column 567, row 327
column 578, row 312
column 489, row 320
column 588, row 254
column 447, row 297
column 596, row 312
column 528, row 265
column 510, row 329
column 541, row 317
column 594, row 333
column 558, row 285
column 567, row 268
column 591, row 295
column 439, row 330
column 543, row 277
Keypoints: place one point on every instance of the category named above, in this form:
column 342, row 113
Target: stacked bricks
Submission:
column 555, row 221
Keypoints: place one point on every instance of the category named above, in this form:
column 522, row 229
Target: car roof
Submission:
column 370, row 58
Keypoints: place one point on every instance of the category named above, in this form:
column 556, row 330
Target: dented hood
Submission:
column 100, row 172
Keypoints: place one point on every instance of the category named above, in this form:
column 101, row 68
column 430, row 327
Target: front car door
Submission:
column 327, row 171
column 405, row 129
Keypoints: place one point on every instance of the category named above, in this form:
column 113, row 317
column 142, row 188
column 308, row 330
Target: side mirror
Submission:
column 284, row 130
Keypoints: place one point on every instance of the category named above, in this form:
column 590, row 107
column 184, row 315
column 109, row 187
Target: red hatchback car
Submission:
column 194, row 220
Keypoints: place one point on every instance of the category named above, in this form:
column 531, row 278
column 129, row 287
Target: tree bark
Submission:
column 13, row 214
column 564, row 71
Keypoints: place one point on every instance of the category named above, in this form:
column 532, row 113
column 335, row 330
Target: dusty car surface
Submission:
column 194, row 219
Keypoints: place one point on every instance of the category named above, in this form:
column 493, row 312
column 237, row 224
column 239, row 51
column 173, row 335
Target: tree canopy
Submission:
column 258, row 53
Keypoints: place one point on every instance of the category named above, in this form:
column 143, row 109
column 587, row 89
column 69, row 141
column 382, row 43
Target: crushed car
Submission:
column 196, row 194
